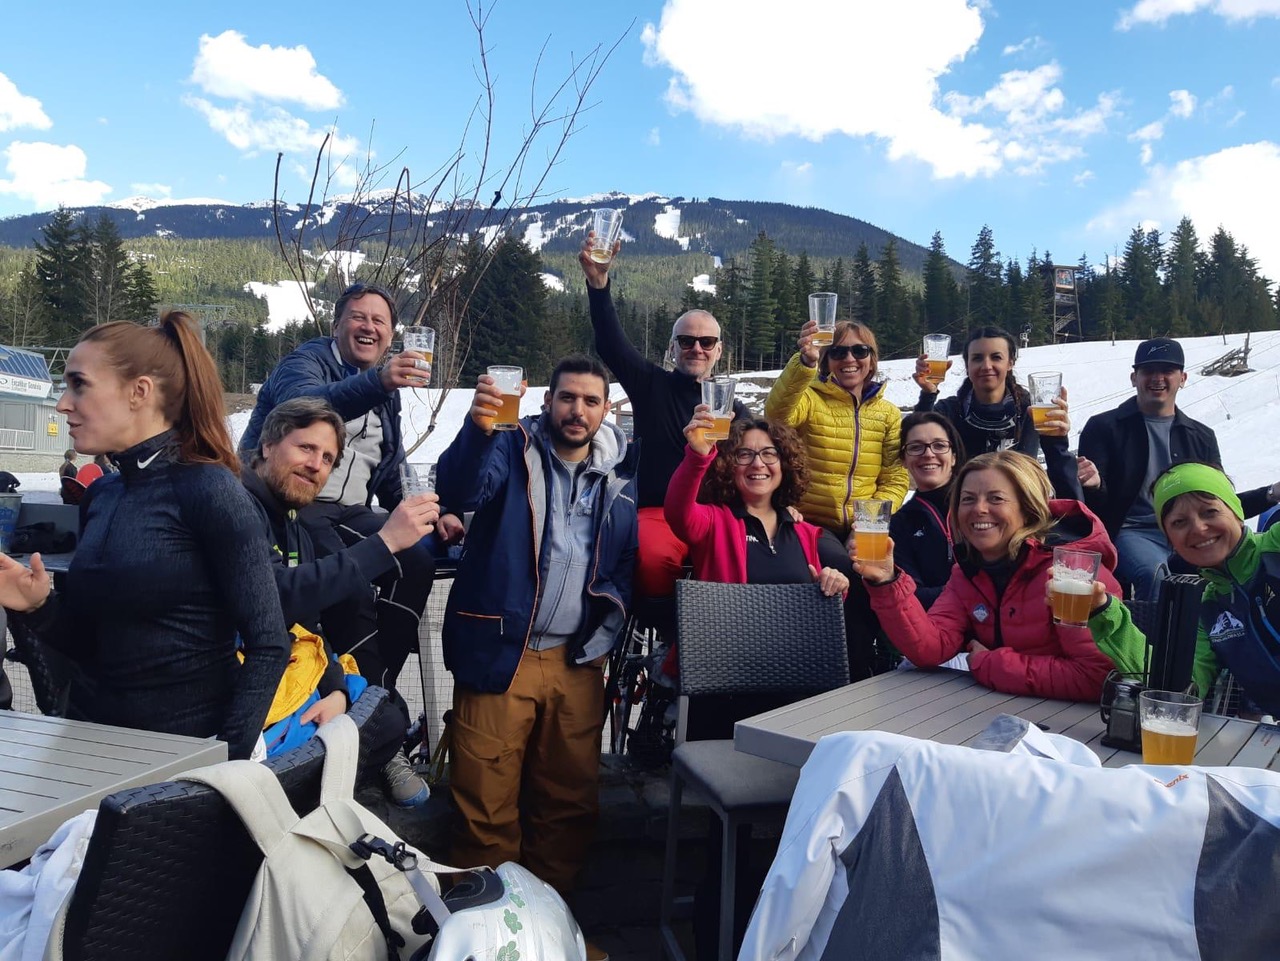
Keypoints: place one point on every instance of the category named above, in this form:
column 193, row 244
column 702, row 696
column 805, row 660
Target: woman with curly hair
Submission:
column 742, row 532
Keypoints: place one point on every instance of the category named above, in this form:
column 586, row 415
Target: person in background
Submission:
column 171, row 565
column 1203, row 518
column 993, row 607
column 537, row 605
column 662, row 401
column 300, row 444
column 353, row 374
column 68, row 468
column 1123, row 451
column 991, row 410
column 850, row 430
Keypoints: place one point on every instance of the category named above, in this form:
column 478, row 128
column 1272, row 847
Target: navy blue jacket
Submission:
column 503, row 477
column 312, row 370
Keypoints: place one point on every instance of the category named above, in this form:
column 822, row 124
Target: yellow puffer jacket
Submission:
column 853, row 448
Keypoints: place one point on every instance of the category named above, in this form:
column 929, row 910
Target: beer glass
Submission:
column 936, row 349
column 717, row 393
column 1044, row 387
column 1170, row 723
column 607, row 224
column 871, row 529
column 421, row 340
column 822, row 308
column 1072, row 586
column 508, row 381
column 416, row 479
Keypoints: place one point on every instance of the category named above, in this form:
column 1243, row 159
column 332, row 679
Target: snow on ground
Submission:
column 552, row 282
column 702, row 284
column 348, row 262
column 286, row 302
column 1243, row 411
column 667, row 224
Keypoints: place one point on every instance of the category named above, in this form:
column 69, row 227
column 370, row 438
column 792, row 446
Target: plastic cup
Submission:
column 417, row 479
column 508, row 380
column 1072, row 586
column 871, row 529
column 421, row 340
column 1170, row 723
column 822, row 309
column 607, row 224
column 937, row 348
column 1044, row 387
column 717, row 393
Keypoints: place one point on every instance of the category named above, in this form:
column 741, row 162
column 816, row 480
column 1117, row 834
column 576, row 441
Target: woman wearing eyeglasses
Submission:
column 742, row 532
column 850, row 431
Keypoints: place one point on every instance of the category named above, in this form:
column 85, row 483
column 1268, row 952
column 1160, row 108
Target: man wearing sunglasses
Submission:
column 347, row 371
column 662, row 402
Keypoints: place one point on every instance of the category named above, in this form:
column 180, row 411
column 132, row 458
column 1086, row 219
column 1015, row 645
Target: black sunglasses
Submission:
column 860, row 351
column 686, row 341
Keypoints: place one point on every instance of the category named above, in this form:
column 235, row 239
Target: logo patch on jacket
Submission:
column 1226, row 627
column 980, row 613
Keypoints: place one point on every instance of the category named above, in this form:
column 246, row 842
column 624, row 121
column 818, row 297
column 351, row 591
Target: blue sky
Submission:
column 1060, row 125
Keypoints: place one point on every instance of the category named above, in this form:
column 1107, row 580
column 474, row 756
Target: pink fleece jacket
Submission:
column 717, row 539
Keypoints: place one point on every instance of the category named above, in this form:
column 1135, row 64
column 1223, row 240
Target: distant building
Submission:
column 33, row 436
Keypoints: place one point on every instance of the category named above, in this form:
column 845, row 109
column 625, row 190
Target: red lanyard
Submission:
column 946, row 529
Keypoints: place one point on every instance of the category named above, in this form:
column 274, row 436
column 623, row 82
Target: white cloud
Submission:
column 1145, row 155
column 1152, row 131
column 1083, row 177
column 1158, row 11
column 152, row 190
column 228, row 67
column 714, row 47
column 50, row 175
column 1025, row 46
column 1215, row 189
column 797, row 169
column 268, row 129
column 19, row 110
column 655, row 137
column 1183, row 103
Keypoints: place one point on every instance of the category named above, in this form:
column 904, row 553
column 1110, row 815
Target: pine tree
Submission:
column 864, row 284
column 731, row 310
column 803, row 284
column 140, row 296
column 838, row 283
column 62, row 272
column 1182, row 266
column 940, row 293
column 508, row 309
column 986, row 293
column 762, row 307
column 893, row 315
column 106, row 270
column 1140, row 285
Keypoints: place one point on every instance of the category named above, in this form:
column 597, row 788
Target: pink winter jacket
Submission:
column 1033, row 655
column 717, row 539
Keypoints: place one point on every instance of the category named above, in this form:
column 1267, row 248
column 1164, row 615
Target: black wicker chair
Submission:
column 758, row 640
column 169, row 866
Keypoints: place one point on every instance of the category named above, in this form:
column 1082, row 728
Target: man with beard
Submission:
column 300, row 444
column 537, row 605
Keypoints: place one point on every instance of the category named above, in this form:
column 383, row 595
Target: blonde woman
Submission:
column 993, row 608
column 850, row 431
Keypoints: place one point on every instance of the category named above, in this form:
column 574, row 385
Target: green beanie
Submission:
column 1201, row 478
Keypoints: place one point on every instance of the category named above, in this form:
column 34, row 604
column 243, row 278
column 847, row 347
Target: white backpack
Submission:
column 317, row 894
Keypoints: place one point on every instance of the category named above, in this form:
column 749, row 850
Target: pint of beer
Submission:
column 607, row 226
column 421, row 340
column 1072, row 586
column 936, row 348
column 1044, row 388
column 717, row 393
column 822, row 310
column 508, row 381
column 871, row 529
column 1170, row 723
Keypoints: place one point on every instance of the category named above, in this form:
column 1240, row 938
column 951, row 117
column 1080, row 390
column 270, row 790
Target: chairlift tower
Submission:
column 1066, row 306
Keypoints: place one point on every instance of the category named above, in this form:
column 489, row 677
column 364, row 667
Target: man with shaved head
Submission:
column 662, row 402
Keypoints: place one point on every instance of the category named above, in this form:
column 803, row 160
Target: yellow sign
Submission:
column 52, row 428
